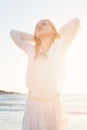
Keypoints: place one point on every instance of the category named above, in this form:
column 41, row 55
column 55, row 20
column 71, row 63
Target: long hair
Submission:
column 38, row 42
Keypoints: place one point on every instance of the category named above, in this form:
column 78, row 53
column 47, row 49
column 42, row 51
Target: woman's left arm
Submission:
column 69, row 31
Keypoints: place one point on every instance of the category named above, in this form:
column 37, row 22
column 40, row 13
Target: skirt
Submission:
column 44, row 114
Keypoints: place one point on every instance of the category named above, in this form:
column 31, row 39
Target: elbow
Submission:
column 77, row 21
column 12, row 33
column 75, row 24
column 14, row 36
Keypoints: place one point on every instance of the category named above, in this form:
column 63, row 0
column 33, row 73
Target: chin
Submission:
column 39, row 34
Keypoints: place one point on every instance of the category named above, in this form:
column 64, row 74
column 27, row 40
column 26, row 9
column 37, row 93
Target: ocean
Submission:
column 12, row 110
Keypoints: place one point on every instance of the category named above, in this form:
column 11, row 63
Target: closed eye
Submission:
column 43, row 23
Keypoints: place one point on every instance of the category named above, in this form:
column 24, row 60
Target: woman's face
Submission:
column 43, row 28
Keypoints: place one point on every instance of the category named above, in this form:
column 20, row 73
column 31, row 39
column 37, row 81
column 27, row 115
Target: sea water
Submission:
column 12, row 110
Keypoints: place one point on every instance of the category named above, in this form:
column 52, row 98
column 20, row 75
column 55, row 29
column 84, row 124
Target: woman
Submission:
column 44, row 108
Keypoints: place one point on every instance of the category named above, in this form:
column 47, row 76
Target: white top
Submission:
column 45, row 77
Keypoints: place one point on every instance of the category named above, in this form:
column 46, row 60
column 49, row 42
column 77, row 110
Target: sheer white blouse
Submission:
column 45, row 77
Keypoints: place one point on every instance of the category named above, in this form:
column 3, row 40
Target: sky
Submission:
column 23, row 15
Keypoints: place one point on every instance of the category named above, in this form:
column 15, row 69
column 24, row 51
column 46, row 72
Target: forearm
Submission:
column 22, row 35
column 74, row 23
column 20, row 39
column 69, row 30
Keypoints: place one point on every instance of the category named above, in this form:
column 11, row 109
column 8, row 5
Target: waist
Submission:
column 48, row 99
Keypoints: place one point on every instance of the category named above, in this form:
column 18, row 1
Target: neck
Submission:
column 46, row 42
column 45, row 45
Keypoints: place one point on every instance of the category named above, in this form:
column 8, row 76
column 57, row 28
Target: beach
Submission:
column 12, row 111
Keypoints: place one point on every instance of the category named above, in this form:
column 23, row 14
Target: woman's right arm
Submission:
column 21, row 39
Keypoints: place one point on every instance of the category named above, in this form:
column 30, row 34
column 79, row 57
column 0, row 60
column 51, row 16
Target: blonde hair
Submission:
column 38, row 42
